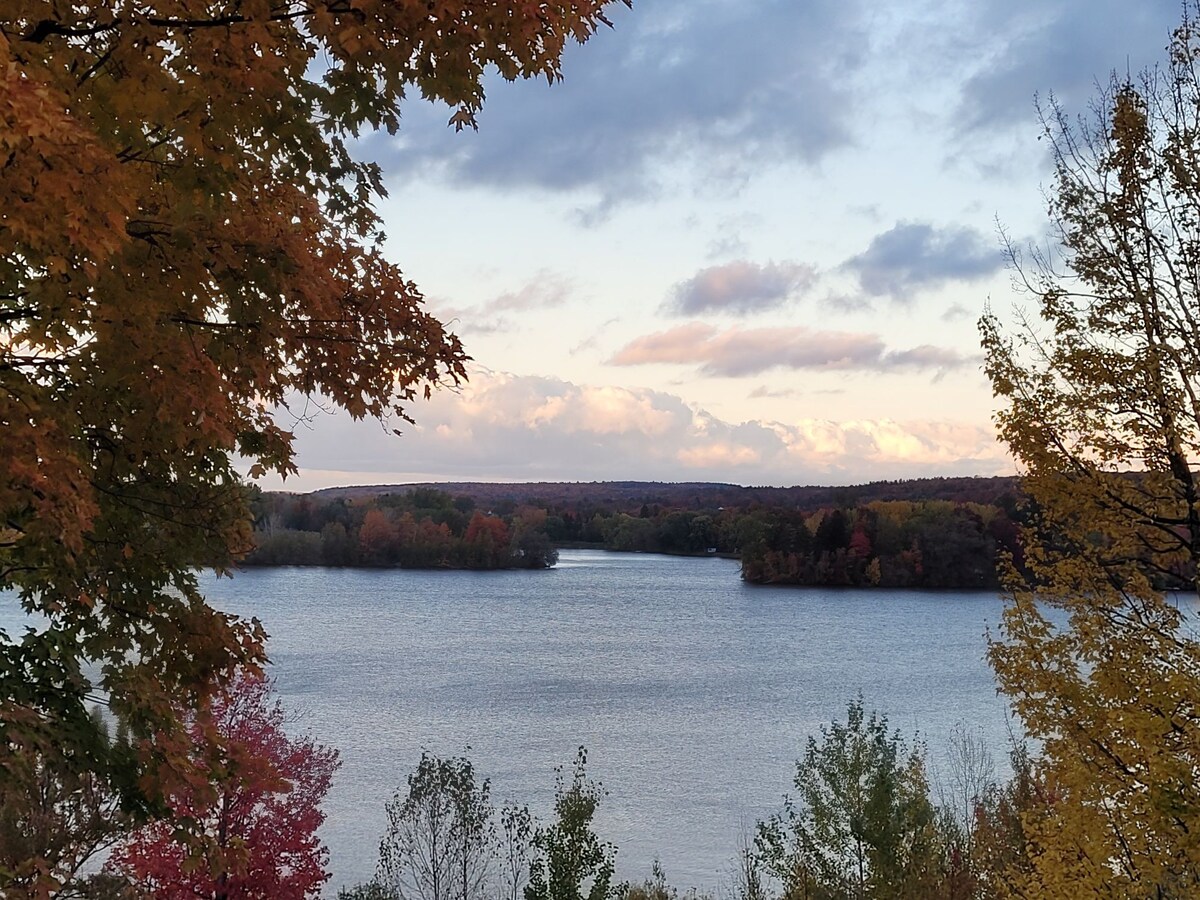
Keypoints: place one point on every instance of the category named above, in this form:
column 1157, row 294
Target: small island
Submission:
column 420, row 528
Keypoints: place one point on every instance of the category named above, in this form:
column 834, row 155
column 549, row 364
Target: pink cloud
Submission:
column 740, row 287
column 738, row 352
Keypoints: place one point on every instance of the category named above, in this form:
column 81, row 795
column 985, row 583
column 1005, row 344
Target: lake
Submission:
column 693, row 692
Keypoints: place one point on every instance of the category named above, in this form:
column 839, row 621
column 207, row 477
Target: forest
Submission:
column 866, row 820
column 927, row 543
column 934, row 542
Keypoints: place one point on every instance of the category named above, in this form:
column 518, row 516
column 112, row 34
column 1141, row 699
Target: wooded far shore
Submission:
column 921, row 533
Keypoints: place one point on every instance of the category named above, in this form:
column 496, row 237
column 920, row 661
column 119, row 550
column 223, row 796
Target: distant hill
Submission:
column 695, row 494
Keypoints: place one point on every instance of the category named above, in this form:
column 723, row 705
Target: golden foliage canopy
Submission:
column 186, row 241
column 1103, row 412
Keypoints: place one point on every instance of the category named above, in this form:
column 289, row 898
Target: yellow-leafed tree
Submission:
column 186, row 242
column 1102, row 411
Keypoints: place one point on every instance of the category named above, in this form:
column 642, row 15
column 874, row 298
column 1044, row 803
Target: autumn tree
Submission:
column 487, row 542
column 259, row 831
column 188, row 243
column 1005, row 817
column 1102, row 411
column 378, row 539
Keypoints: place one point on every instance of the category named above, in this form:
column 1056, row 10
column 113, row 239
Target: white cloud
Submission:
column 545, row 290
column 506, row 427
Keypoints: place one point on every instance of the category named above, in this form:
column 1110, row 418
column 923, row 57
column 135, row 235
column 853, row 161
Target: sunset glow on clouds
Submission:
column 552, row 429
column 743, row 240
column 739, row 287
column 737, row 352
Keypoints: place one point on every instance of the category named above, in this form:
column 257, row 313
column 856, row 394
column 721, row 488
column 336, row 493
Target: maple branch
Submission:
column 51, row 28
column 12, row 363
column 180, row 319
column 139, row 154
column 48, row 28
column 19, row 312
column 99, row 63
column 166, row 510
column 145, row 230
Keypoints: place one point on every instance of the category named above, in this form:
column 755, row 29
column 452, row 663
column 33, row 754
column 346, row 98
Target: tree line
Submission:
column 900, row 543
column 865, row 823
column 696, row 495
column 930, row 543
column 926, row 544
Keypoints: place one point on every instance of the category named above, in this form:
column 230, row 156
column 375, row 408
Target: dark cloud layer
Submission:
column 912, row 256
column 740, row 352
column 723, row 81
column 735, row 85
column 739, row 287
column 1039, row 47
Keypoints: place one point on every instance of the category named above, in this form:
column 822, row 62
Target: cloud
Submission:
column 763, row 392
column 1035, row 47
column 926, row 356
column 913, row 256
column 508, row 427
column 740, row 352
column 546, row 290
column 846, row 303
column 728, row 84
column 954, row 312
column 728, row 239
column 739, row 287
column 467, row 320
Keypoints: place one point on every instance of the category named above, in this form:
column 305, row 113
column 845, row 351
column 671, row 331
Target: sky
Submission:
column 744, row 241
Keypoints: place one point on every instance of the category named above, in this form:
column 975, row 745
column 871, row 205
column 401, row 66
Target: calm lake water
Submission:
column 693, row 693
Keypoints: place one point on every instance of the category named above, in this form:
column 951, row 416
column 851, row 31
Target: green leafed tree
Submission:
column 1101, row 392
column 371, row 890
column 515, row 844
column 861, row 824
column 189, row 243
column 570, row 862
